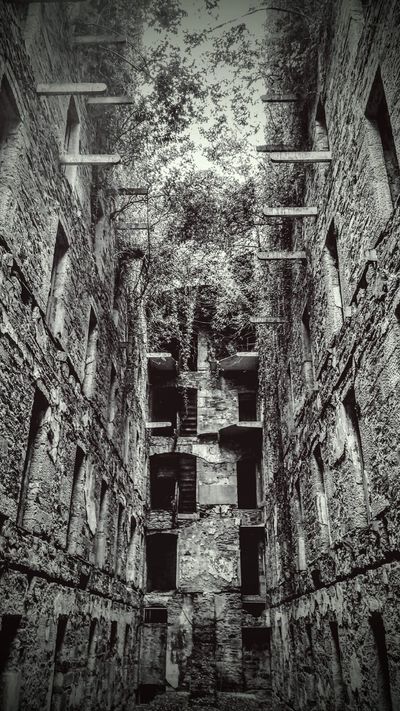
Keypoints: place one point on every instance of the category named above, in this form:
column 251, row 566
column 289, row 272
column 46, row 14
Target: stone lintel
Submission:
column 290, row 211
column 272, row 256
column 267, row 320
column 89, row 159
column 66, row 89
column 83, row 40
column 301, row 157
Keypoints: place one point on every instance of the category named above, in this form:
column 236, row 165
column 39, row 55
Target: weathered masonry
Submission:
column 333, row 382
column 229, row 529
column 72, row 489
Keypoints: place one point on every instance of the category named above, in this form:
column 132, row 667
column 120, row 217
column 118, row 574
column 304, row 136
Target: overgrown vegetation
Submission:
column 193, row 106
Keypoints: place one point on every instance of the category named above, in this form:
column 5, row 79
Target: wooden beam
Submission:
column 280, row 98
column 85, row 40
column 275, row 256
column 272, row 320
column 109, row 100
column 89, row 159
column 290, row 211
column 301, row 157
column 132, row 226
column 61, row 89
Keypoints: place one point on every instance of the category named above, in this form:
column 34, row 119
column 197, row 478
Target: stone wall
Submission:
column 332, row 500
column 72, row 488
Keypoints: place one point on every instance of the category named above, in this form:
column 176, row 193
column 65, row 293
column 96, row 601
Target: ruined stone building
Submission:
column 231, row 528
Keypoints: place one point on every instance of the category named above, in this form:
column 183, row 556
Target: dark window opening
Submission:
column 246, row 472
column 112, row 643
column 76, row 507
column 155, row 615
column 119, row 539
column 321, row 132
column 301, row 548
column 9, row 114
column 255, row 609
column 337, row 671
column 161, row 562
column 247, row 407
column 55, row 303
column 92, row 643
column 173, row 482
column 354, row 445
column 256, row 657
column 58, row 676
column 34, row 454
column 251, row 551
column 101, row 532
column 384, row 686
column 308, row 368
column 116, row 294
column 91, row 355
column 164, row 408
column 10, row 660
column 131, row 554
column 322, row 500
column 127, row 640
column 333, row 268
column 112, row 402
column 71, row 139
column 378, row 113
column 148, row 692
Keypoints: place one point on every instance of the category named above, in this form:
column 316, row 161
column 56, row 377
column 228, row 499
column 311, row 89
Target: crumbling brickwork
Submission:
column 72, row 487
column 331, row 513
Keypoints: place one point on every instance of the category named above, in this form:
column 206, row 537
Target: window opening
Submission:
column 112, row 402
column 131, row 554
column 321, row 494
column 251, row 551
column 155, row 615
column 256, row 643
column 247, row 407
column 378, row 114
column 301, row 548
column 337, row 671
column 383, row 670
column 91, row 355
column 56, row 299
column 58, row 668
column 246, row 472
column 354, row 446
column 119, row 539
column 101, row 533
column 161, row 562
column 34, row 458
column 71, row 139
column 308, row 368
column 331, row 258
column 10, row 671
column 76, row 508
column 173, row 483
column 321, row 131
column 9, row 115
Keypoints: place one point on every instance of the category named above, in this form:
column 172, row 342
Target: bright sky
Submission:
column 198, row 19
